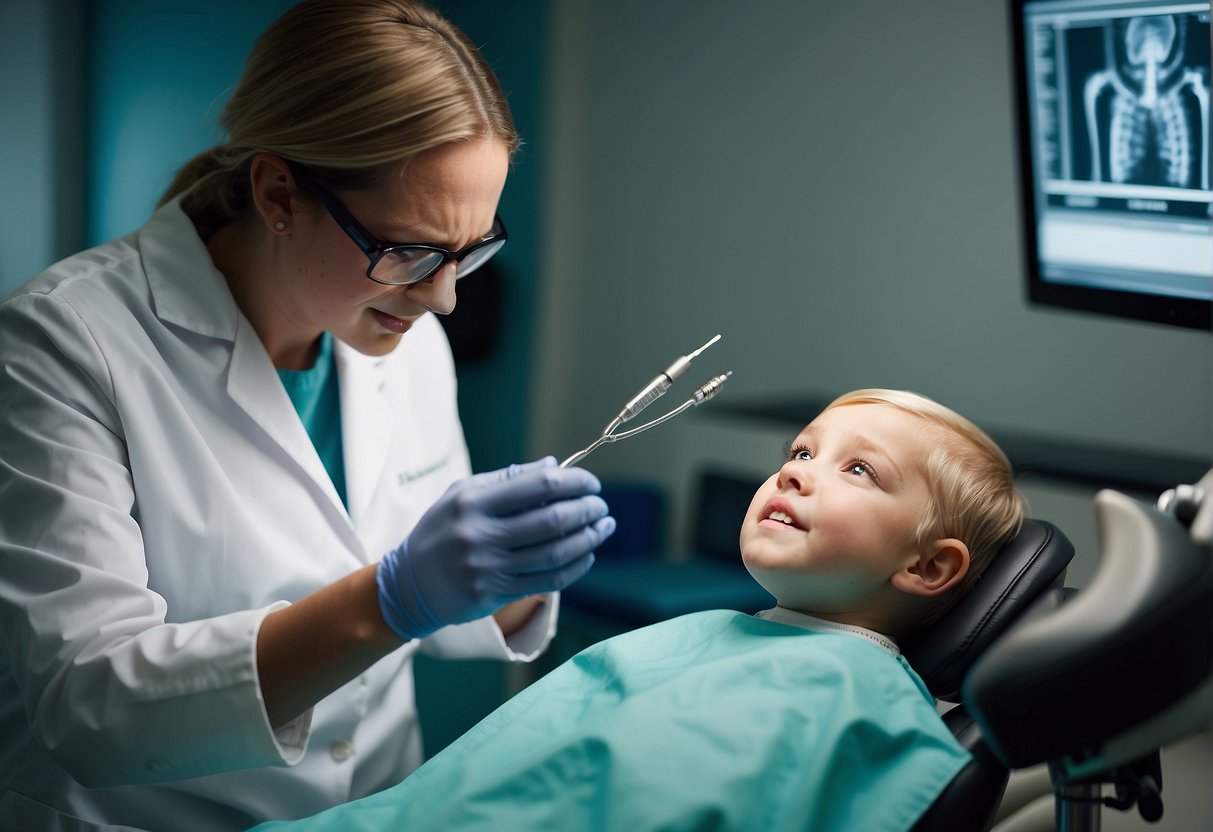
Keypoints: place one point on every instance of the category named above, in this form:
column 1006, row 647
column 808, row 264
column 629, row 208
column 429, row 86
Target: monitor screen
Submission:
column 1113, row 119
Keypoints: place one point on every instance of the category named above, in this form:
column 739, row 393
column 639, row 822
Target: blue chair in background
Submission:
column 635, row 583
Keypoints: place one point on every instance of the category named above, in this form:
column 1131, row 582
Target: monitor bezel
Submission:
column 1192, row 313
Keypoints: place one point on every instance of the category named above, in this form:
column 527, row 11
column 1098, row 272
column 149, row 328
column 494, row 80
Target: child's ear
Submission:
column 939, row 567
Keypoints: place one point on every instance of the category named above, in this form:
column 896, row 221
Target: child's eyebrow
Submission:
column 866, row 444
column 863, row 443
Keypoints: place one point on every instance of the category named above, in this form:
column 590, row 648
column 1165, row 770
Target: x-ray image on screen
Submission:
column 1123, row 99
column 1114, row 105
column 1140, row 93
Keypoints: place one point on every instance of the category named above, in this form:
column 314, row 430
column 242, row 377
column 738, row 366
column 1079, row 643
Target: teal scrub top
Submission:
column 317, row 400
column 714, row 720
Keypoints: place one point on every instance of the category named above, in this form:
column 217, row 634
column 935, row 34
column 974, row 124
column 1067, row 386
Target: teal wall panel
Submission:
column 495, row 392
column 41, row 150
column 157, row 76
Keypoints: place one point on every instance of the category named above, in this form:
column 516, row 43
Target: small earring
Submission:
column 280, row 226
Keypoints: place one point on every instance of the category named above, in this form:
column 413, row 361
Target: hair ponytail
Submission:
column 215, row 185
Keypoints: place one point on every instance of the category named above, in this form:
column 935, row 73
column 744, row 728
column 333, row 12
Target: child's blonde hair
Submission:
column 348, row 88
column 972, row 485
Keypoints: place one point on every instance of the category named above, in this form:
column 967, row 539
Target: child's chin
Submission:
column 769, row 576
column 766, row 554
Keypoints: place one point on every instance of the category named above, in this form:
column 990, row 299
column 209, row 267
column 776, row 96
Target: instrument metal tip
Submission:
column 705, row 346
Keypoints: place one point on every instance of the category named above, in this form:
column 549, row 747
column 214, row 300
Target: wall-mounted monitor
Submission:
column 1112, row 100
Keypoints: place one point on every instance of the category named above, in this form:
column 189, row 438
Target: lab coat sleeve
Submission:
column 114, row 693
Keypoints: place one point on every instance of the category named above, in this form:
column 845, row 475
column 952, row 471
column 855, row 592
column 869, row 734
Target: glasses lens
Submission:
column 477, row 257
column 405, row 265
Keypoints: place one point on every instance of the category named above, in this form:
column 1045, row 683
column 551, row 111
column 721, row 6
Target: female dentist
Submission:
column 212, row 430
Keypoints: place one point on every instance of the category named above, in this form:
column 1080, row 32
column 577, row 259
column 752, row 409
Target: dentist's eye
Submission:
column 799, row 452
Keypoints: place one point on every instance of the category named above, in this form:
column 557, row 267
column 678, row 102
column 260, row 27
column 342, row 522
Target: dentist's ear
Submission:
column 272, row 188
column 940, row 567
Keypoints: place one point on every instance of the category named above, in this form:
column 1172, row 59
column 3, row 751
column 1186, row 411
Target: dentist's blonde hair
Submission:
column 348, row 88
column 971, row 483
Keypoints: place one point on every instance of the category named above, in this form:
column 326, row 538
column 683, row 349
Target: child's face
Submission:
column 828, row 529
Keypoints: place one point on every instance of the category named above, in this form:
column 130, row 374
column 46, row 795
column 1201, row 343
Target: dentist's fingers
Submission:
column 549, row 522
column 555, row 556
column 533, row 488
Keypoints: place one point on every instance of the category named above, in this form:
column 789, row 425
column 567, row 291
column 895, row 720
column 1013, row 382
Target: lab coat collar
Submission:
column 254, row 386
column 202, row 302
column 188, row 291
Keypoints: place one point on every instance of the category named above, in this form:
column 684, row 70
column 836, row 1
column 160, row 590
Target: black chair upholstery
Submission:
column 1027, row 569
column 1033, row 562
column 971, row 800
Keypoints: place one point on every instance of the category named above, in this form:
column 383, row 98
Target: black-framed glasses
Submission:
column 403, row 264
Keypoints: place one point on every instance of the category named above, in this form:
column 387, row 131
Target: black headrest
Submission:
column 1131, row 644
column 943, row 652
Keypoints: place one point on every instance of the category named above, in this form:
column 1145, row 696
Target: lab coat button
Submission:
column 341, row 750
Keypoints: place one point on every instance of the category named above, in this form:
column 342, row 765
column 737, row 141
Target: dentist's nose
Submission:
column 437, row 292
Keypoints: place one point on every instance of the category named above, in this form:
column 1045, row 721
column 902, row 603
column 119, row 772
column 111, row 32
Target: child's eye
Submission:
column 799, row 452
column 860, row 468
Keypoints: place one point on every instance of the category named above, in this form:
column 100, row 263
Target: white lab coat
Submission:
column 158, row 497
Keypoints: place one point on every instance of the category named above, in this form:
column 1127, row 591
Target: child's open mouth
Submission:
column 781, row 518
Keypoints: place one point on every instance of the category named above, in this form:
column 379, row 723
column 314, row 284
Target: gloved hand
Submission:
column 490, row 539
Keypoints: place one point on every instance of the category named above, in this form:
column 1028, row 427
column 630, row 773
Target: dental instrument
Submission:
column 652, row 391
column 656, row 388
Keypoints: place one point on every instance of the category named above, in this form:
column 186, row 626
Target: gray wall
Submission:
column 832, row 187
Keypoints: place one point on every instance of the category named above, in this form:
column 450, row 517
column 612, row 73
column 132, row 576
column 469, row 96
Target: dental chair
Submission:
column 1029, row 568
column 1090, row 682
column 1094, row 682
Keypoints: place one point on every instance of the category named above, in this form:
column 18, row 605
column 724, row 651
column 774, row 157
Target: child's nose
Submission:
column 795, row 474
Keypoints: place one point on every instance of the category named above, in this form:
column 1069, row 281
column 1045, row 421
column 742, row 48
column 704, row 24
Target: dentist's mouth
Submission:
column 390, row 322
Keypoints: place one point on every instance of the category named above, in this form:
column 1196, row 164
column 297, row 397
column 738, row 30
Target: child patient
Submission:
column 803, row 717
